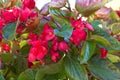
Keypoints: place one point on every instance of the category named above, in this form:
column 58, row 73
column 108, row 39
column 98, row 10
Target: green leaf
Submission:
column 117, row 65
column 2, row 77
column 87, row 51
column 9, row 31
column 115, row 28
column 58, row 12
column 102, row 41
column 113, row 58
column 49, row 69
column 25, row 50
column 7, row 57
column 65, row 31
column 28, row 74
column 99, row 31
column 103, row 69
column 74, row 70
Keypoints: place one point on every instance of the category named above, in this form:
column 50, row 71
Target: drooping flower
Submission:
column 2, row 22
column 28, row 4
column 103, row 53
column 63, row 46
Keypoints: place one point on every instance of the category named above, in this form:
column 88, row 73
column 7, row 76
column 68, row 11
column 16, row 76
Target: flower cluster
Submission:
column 17, row 14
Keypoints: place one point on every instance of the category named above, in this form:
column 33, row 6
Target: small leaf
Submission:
column 113, row 58
column 9, row 31
column 102, row 41
column 115, row 28
column 87, row 51
column 28, row 74
column 74, row 70
column 65, row 31
column 103, row 69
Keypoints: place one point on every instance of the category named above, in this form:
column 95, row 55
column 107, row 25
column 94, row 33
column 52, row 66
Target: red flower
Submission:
column 42, row 51
column 77, row 36
column 20, row 29
column 63, row 46
column 118, row 12
column 2, row 22
column 48, row 33
column 33, row 36
column 103, row 53
column 77, row 23
column 1, row 36
column 9, row 16
column 32, row 54
column 54, row 56
column 28, row 3
column 24, row 15
column 6, row 47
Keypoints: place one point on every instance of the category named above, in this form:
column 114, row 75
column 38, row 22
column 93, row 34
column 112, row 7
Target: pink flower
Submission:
column 6, row 47
column 1, row 36
column 88, row 26
column 118, row 12
column 28, row 3
column 24, row 15
column 63, row 46
column 103, row 53
column 20, row 29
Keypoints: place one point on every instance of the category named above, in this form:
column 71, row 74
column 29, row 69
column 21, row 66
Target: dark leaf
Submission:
column 74, row 70
column 99, row 31
column 87, row 51
column 103, row 69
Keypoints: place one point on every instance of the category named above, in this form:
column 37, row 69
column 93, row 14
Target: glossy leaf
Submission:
column 103, row 69
column 99, row 31
column 9, row 31
column 74, row 70
column 102, row 41
column 65, row 31
column 58, row 12
column 87, row 51
column 27, row 75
